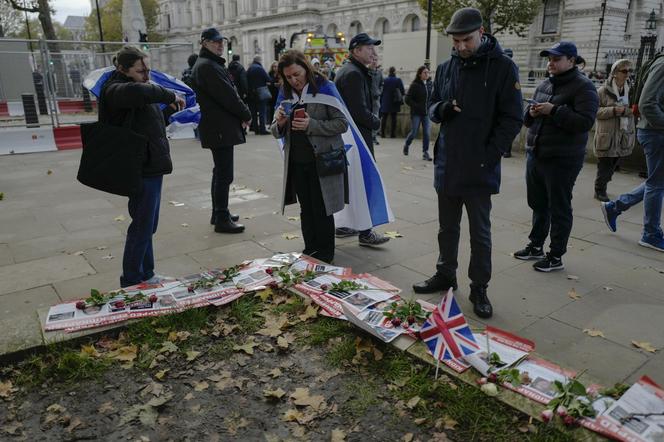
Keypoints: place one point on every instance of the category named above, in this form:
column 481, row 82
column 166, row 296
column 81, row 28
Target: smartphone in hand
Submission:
column 530, row 101
column 299, row 113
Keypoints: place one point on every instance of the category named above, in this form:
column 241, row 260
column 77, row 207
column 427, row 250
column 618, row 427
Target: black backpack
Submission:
column 640, row 81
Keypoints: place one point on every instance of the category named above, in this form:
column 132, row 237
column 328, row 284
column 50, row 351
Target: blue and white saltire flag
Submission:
column 446, row 333
column 367, row 206
column 95, row 80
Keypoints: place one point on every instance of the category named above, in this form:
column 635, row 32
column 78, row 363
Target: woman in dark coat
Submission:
column 127, row 94
column 391, row 101
column 418, row 98
column 317, row 131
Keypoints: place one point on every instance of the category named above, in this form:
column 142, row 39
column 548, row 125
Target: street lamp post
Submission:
column 599, row 39
column 427, row 56
column 648, row 41
column 101, row 31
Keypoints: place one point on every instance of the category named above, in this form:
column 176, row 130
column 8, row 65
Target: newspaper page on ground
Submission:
column 542, row 375
column 638, row 415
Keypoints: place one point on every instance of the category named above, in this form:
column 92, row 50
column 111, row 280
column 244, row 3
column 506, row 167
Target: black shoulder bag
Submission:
column 112, row 158
column 331, row 163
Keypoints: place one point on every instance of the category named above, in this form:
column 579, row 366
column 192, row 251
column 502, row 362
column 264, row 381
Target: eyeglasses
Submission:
column 625, row 71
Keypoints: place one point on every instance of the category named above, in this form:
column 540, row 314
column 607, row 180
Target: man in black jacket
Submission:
column 259, row 95
column 354, row 83
column 223, row 119
column 559, row 118
column 477, row 101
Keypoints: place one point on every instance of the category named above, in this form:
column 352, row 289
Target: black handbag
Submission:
column 112, row 157
column 331, row 163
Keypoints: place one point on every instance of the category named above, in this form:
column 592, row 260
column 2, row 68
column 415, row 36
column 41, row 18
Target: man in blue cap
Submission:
column 558, row 119
column 477, row 101
column 223, row 119
column 354, row 83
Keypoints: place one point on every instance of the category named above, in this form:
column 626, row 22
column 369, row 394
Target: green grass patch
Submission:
column 60, row 364
column 295, row 305
column 324, row 329
column 341, row 352
column 363, row 395
column 245, row 311
column 222, row 349
column 154, row 331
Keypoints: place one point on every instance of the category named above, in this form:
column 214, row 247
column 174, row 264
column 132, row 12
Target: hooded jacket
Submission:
column 222, row 109
column 563, row 133
column 614, row 133
column 470, row 143
column 119, row 96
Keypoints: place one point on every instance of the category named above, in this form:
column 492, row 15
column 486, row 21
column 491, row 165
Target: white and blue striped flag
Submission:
column 368, row 205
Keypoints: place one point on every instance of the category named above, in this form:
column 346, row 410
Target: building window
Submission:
column 551, row 16
column 355, row 28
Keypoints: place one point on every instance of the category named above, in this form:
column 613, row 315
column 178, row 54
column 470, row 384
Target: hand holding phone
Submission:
column 530, row 101
column 299, row 113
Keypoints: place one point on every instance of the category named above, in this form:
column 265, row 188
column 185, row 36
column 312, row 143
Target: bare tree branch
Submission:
column 15, row 5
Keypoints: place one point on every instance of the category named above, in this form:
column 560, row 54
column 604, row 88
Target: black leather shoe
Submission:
column 234, row 218
column 601, row 195
column 437, row 283
column 481, row 304
column 228, row 226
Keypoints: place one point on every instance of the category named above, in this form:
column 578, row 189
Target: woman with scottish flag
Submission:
column 314, row 153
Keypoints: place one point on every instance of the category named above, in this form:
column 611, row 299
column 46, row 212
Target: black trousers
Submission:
column 222, row 177
column 605, row 168
column 317, row 225
column 549, row 185
column 393, row 124
column 478, row 210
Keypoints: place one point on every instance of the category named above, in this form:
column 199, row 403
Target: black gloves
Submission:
column 446, row 111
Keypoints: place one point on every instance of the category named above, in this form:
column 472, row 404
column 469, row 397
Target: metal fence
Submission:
column 53, row 71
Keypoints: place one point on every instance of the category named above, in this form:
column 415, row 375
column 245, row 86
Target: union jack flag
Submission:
column 446, row 333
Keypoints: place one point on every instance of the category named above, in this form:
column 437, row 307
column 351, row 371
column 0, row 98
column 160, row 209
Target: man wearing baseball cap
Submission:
column 223, row 119
column 353, row 81
column 477, row 101
column 558, row 119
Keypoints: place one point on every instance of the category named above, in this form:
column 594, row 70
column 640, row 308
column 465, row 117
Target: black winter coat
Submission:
column 256, row 76
column 417, row 98
column 119, row 96
column 354, row 84
column 564, row 133
column 471, row 143
column 222, row 109
column 239, row 77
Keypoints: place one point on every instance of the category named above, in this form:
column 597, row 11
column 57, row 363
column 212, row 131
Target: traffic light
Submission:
column 279, row 47
column 230, row 48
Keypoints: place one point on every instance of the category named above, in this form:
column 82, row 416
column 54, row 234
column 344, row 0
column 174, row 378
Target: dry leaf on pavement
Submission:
column 290, row 236
column 119, row 218
column 274, row 394
column 275, row 373
column 393, row 234
column 200, row 386
column 647, row 346
column 6, row 389
column 573, row 295
column 408, row 437
column 594, row 332
column 337, row 435
column 310, row 312
column 248, row 347
column 302, row 397
column 412, row 402
column 191, row 355
column 572, row 277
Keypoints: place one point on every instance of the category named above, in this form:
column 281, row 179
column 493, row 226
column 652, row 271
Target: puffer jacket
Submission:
column 120, row 95
column 417, row 98
column 563, row 133
column 612, row 139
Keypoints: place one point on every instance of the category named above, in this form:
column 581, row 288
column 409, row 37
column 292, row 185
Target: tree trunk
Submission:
column 47, row 24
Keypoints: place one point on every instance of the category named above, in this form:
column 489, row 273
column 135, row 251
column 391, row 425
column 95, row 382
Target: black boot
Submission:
column 213, row 218
column 437, row 283
column 481, row 304
column 227, row 225
column 405, row 149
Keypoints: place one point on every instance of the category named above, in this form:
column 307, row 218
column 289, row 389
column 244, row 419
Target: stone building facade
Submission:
column 253, row 26
column 579, row 21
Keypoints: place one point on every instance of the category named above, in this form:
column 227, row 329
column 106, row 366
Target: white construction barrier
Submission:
column 26, row 140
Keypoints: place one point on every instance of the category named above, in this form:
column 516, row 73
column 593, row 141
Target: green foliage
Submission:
column 572, row 395
column 341, row 352
column 500, row 16
column 245, row 312
column 36, row 30
column 324, row 329
column 407, row 310
column 111, row 21
column 363, row 396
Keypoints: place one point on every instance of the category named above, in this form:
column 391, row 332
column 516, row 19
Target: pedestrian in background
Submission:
column 224, row 116
column 558, row 121
column 317, row 131
column 239, row 76
column 353, row 81
column 418, row 98
column 650, row 133
column 127, row 94
column 259, row 95
column 477, row 101
column 377, row 81
column 273, row 86
column 391, row 101
column 186, row 74
column 615, row 133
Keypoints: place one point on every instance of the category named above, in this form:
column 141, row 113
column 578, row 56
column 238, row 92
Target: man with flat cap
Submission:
column 354, row 82
column 223, row 119
column 477, row 101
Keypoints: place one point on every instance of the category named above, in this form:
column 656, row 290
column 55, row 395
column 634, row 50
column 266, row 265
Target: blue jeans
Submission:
column 651, row 191
column 138, row 259
column 415, row 121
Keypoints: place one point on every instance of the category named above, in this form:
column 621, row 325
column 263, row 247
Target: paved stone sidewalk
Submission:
column 59, row 239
